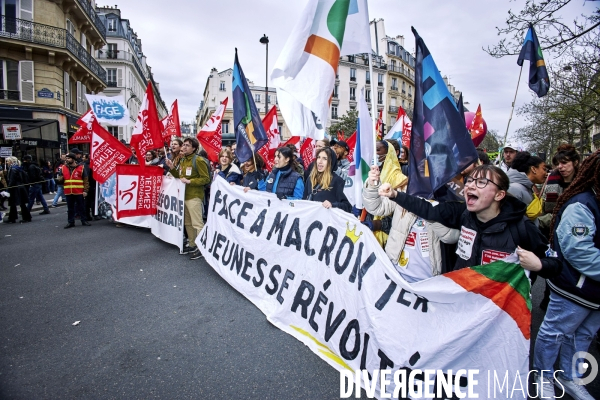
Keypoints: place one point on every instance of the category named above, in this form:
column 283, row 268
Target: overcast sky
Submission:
column 184, row 39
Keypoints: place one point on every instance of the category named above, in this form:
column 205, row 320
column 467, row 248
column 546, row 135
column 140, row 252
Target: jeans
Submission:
column 567, row 328
column 60, row 192
column 75, row 203
column 35, row 193
column 51, row 185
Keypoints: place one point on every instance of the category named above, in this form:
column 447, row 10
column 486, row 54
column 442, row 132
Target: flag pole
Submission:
column 373, row 109
column 512, row 109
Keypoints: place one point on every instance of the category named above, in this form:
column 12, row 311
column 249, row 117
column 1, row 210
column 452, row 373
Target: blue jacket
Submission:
column 578, row 247
column 285, row 183
column 232, row 174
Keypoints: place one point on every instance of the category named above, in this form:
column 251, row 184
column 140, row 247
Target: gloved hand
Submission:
column 281, row 196
column 356, row 211
column 368, row 224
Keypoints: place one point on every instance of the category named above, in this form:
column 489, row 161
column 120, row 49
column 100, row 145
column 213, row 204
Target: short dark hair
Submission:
column 483, row 157
column 193, row 141
column 523, row 161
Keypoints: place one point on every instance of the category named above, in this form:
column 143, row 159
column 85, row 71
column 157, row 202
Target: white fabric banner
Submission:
column 167, row 224
column 321, row 276
column 109, row 110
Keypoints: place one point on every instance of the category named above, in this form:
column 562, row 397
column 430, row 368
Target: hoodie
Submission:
column 481, row 243
column 520, row 186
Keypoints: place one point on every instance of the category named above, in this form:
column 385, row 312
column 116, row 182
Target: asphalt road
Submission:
column 152, row 323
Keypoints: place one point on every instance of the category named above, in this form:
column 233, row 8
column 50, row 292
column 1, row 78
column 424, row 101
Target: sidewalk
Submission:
column 37, row 208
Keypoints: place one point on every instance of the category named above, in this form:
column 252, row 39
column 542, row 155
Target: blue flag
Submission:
column 250, row 134
column 539, row 81
column 440, row 144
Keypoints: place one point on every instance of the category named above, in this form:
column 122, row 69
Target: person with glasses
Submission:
column 325, row 186
column 492, row 223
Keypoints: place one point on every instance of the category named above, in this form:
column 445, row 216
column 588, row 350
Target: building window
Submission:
column 379, row 79
column 393, row 65
column 353, row 93
column 112, row 51
column 112, row 25
column 257, row 98
column 225, row 126
column 269, row 99
column 280, row 126
column 379, row 97
column 410, row 91
column 334, row 114
column 9, row 80
column 222, row 86
column 393, row 102
column 114, row 130
column 70, row 27
column 353, row 74
column 368, row 96
column 403, row 87
column 403, row 103
column 368, row 80
column 394, row 84
column 351, row 59
column 335, row 91
column 111, row 77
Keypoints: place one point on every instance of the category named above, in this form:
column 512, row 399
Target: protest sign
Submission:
column 137, row 190
column 5, row 151
column 320, row 275
column 167, row 224
column 109, row 110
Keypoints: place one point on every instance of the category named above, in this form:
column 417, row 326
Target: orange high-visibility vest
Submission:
column 73, row 183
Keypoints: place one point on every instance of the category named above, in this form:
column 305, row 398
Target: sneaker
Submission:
column 544, row 389
column 578, row 392
column 187, row 249
column 52, row 205
column 45, row 212
column 196, row 255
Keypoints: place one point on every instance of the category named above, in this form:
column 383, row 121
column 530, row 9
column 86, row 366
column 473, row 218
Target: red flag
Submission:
column 351, row 144
column 170, row 124
column 146, row 133
column 137, row 190
column 271, row 126
column 340, row 135
column 106, row 152
column 83, row 135
column 210, row 135
column 86, row 118
column 295, row 140
column 477, row 128
column 307, row 151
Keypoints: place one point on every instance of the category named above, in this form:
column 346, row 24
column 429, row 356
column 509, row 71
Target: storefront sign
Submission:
column 11, row 131
column 46, row 93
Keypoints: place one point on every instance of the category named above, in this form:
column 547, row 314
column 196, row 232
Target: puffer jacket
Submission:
column 520, row 186
column 402, row 222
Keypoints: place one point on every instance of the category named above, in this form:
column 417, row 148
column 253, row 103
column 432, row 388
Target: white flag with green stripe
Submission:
column 364, row 150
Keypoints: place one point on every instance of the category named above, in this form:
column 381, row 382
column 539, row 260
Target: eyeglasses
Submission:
column 480, row 182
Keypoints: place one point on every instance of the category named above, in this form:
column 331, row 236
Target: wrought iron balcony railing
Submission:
column 393, row 109
column 89, row 10
column 20, row 29
column 111, row 84
column 123, row 55
column 10, row 95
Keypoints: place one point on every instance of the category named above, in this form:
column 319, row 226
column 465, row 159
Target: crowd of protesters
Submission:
column 546, row 214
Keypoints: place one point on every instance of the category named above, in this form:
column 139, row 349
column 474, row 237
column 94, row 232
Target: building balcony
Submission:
column 368, row 82
column 393, row 109
column 10, row 95
column 91, row 14
column 111, row 84
column 352, row 79
column 352, row 98
column 117, row 55
column 335, row 95
column 379, row 101
column 410, row 95
column 380, row 84
column 334, row 116
column 394, row 88
column 14, row 29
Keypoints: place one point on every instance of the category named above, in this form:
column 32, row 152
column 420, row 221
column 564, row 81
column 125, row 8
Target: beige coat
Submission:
column 402, row 221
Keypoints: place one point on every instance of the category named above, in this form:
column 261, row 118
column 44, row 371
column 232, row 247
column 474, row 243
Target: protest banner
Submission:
column 109, row 110
column 137, row 190
column 320, row 275
column 167, row 224
column 5, row 151
column 106, row 204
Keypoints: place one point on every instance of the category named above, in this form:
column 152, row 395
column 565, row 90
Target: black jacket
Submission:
column 500, row 235
column 335, row 194
column 251, row 179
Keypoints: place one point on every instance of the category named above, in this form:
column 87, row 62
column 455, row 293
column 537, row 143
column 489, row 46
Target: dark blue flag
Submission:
column 250, row 134
column 539, row 81
column 440, row 144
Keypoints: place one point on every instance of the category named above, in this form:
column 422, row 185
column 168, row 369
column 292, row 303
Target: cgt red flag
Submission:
column 210, row 135
column 170, row 124
column 271, row 126
column 106, row 152
column 137, row 190
column 351, row 144
column 146, row 133
column 307, row 152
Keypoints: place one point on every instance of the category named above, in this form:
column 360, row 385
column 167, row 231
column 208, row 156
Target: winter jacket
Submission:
column 285, row 183
column 343, row 168
column 334, row 194
column 14, row 180
column 520, row 186
column 34, row 172
column 578, row 246
column 231, row 174
column 481, row 243
column 198, row 175
column 255, row 179
column 402, row 222
column 552, row 191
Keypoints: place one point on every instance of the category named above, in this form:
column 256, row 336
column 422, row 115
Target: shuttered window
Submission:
column 26, row 79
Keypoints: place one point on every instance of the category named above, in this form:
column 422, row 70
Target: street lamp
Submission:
column 265, row 40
